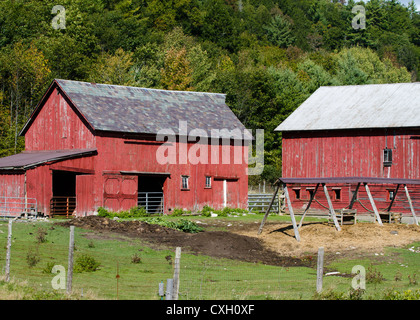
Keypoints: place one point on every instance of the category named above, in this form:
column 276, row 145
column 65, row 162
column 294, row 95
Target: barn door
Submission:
column 85, row 199
column 120, row 192
column 232, row 193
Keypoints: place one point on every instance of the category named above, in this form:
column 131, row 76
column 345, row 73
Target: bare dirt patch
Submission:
column 357, row 239
column 220, row 244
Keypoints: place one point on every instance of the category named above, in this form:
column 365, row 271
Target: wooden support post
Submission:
column 354, row 198
column 268, row 209
column 330, row 205
column 309, row 205
column 9, row 248
column 320, row 269
column 70, row 261
column 176, row 273
column 411, row 205
column 372, row 202
column 292, row 215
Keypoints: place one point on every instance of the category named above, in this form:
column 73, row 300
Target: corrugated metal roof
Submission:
column 140, row 110
column 356, row 107
column 29, row 159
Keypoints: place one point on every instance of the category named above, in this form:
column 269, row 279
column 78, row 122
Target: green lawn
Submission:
column 201, row 277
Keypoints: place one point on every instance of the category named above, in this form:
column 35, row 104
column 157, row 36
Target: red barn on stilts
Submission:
column 93, row 145
column 355, row 140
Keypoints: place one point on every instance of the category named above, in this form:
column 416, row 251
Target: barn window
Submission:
column 208, row 182
column 297, row 194
column 184, row 182
column 387, row 157
column 337, row 194
column 391, row 195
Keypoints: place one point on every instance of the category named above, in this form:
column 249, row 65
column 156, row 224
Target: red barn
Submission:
column 93, row 145
column 362, row 132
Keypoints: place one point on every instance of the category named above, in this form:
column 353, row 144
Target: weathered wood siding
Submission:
column 353, row 153
column 57, row 126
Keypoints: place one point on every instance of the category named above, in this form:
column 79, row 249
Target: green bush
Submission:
column 85, row 263
column 184, row 225
column 135, row 212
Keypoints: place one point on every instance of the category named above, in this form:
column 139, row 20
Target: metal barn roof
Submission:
column 141, row 110
column 29, row 159
column 356, row 107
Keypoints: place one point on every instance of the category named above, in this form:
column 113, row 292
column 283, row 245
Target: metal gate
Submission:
column 15, row 207
column 153, row 202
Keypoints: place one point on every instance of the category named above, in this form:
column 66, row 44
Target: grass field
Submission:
column 37, row 246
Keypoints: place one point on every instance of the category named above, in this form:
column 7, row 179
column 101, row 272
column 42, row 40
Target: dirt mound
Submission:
column 358, row 238
column 218, row 244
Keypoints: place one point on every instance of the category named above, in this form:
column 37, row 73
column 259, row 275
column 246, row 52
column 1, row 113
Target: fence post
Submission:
column 9, row 247
column 70, row 261
column 319, row 269
column 176, row 273
column 169, row 289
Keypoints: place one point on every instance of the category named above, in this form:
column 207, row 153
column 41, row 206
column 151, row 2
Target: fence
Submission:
column 260, row 201
column 15, row 207
column 153, row 202
column 128, row 270
column 62, row 206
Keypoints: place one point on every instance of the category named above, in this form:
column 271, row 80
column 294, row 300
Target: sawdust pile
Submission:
column 361, row 237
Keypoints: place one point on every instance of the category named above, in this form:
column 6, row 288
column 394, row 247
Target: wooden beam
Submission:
column 268, row 209
column 372, row 202
column 411, row 205
column 292, row 215
column 309, row 205
column 354, row 198
column 330, row 205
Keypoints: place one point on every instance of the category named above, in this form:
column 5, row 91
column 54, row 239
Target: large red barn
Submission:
column 355, row 131
column 93, row 145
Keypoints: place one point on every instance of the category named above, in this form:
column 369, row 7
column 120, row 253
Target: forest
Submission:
column 267, row 56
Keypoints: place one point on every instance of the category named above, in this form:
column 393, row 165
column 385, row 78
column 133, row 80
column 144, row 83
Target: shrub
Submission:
column 374, row 276
column 48, row 267
column 135, row 212
column 41, row 235
column 86, row 263
column 179, row 212
column 32, row 257
column 135, row 258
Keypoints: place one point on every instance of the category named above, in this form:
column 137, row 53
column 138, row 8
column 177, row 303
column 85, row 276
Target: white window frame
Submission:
column 185, row 184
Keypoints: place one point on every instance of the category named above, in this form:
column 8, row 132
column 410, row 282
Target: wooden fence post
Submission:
column 70, row 261
column 9, row 248
column 176, row 273
column 320, row 269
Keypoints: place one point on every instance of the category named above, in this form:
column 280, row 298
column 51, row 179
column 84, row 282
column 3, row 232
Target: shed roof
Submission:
column 356, row 107
column 29, row 159
column 140, row 110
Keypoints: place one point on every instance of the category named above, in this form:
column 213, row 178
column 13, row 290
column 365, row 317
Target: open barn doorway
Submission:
column 63, row 201
column 150, row 192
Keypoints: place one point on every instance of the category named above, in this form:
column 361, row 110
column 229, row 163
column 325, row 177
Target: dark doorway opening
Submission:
column 150, row 193
column 63, row 201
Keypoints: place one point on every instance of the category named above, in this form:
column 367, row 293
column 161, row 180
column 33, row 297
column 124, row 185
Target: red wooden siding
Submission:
column 351, row 153
column 58, row 127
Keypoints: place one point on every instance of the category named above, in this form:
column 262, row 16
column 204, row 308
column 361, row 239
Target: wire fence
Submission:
column 116, row 269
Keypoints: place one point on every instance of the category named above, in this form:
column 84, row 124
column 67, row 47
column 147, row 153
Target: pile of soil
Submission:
column 220, row 244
